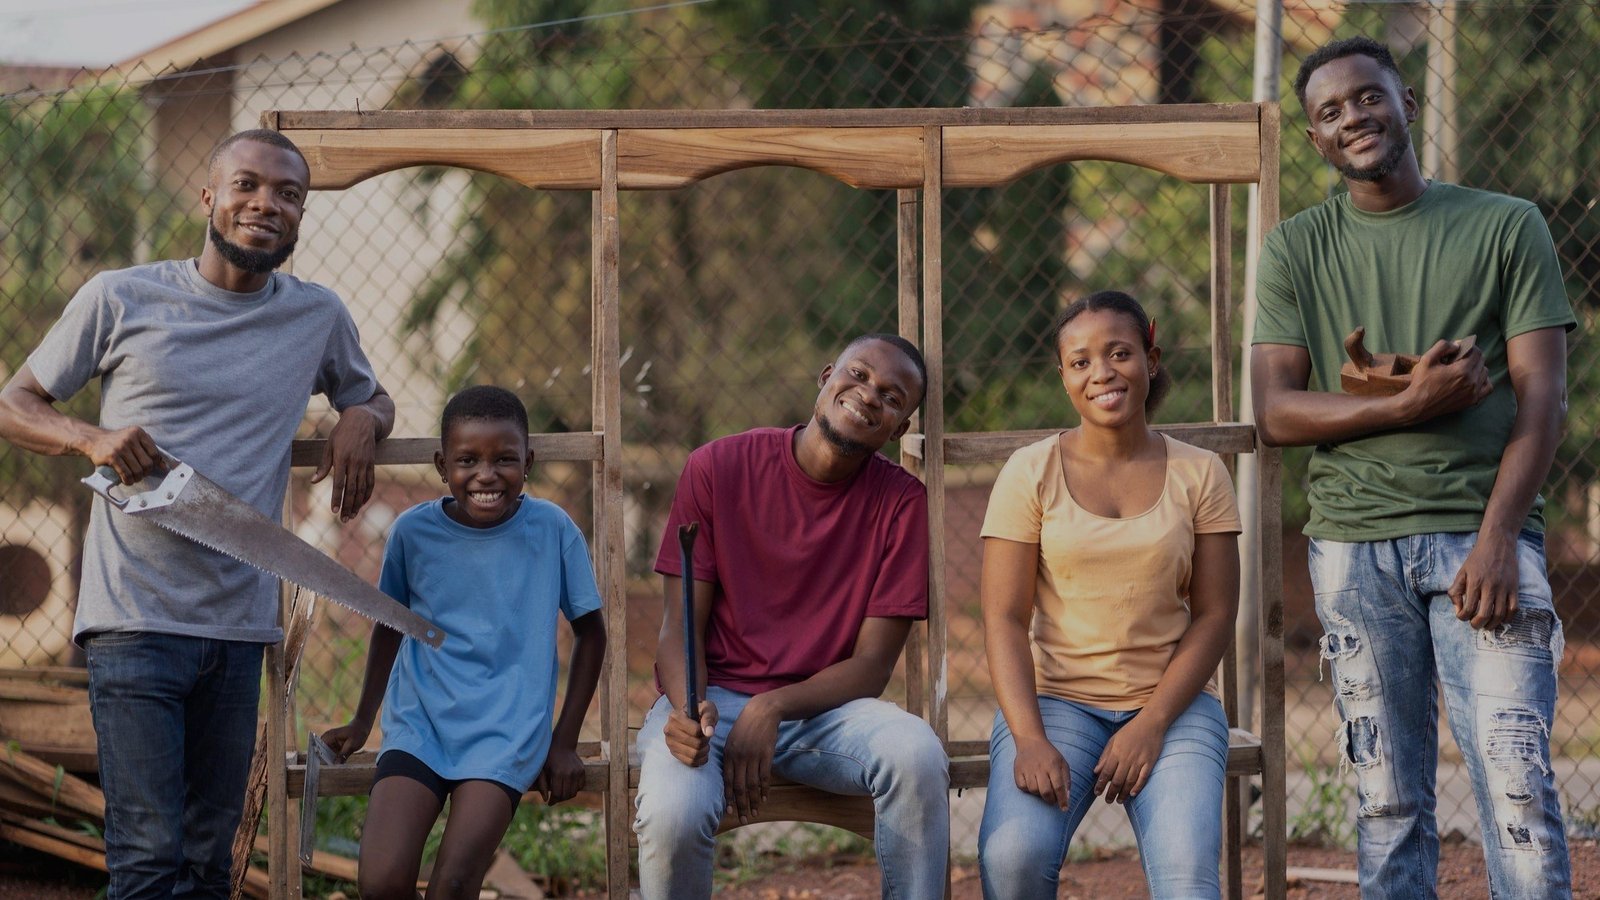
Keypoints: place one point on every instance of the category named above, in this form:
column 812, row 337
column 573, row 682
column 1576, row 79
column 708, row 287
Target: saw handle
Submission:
column 105, row 478
column 102, row 481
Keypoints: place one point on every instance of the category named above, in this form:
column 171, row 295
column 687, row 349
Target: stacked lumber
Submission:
column 46, row 808
column 44, row 711
column 47, row 740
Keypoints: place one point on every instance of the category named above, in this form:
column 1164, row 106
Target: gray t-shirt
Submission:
column 221, row 381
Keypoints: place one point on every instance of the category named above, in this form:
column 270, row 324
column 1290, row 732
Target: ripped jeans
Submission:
column 1390, row 631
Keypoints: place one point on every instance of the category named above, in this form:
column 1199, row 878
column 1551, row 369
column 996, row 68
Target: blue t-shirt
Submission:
column 479, row 707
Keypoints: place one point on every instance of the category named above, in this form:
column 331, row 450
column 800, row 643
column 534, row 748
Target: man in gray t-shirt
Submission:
column 213, row 359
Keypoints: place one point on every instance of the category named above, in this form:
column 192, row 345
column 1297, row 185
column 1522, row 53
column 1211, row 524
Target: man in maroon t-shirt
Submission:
column 810, row 565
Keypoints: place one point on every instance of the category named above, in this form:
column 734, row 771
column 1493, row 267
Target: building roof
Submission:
column 224, row 34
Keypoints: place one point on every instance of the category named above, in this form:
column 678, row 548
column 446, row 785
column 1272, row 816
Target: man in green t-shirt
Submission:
column 1427, row 551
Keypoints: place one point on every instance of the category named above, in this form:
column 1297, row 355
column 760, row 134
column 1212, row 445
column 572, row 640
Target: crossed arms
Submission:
column 1287, row 413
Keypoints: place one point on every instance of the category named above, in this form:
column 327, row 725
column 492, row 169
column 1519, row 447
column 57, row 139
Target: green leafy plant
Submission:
column 1324, row 818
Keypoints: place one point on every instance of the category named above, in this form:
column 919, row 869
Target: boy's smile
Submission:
column 484, row 462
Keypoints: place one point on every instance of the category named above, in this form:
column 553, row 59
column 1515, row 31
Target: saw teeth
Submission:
column 237, row 558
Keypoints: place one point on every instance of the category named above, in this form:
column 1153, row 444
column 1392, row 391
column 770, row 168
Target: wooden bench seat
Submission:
column 786, row 801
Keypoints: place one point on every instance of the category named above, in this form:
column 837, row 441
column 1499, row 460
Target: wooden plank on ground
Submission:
column 56, row 732
column 81, row 839
column 507, row 877
column 66, row 676
column 19, row 799
column 993, row 155
column 330, row 864
column 39, row 691
column 1332, row 876
column 53, row 784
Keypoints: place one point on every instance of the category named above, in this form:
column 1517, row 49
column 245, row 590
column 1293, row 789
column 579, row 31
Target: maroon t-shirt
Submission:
column 797, row 564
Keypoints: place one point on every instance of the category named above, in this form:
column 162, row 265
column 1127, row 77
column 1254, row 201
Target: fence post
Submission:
column 1439, row 125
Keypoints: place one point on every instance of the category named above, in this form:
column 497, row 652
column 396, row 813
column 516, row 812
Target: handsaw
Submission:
column 318, row 754
column 691, row 703
column 193, row 506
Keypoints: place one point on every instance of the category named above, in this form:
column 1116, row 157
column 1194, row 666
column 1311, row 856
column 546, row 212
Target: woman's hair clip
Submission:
column 1150, row 336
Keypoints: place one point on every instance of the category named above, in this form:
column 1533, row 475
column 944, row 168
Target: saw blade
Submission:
column 195, row 507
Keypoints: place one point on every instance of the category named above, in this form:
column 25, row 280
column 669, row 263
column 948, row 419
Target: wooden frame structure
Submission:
column 919, row 153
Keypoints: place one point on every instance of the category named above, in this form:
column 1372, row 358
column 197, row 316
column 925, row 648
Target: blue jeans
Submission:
column 1177, row 818
column 1390, row 631
column 863, row 748
column 175, row 726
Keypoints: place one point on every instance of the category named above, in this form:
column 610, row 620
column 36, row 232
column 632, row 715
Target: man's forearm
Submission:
column 838, row 684
column 28, row 421
column 1288, row 418
column 1530, row 450
column 381, row 408
column 1536, row 366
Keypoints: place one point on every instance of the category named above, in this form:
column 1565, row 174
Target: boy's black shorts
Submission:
column 398, row 763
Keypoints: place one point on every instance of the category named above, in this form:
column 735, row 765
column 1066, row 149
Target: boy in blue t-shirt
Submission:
column 471, row 720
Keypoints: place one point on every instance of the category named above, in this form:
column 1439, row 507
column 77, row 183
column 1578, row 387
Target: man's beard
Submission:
column 1380, row 169
column 844, row 445
column 256, row 262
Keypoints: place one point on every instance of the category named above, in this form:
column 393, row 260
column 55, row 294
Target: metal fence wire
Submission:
column 736, row 291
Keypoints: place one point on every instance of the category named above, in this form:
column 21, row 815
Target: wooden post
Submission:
column 1441, row 151
column 933, row 418
column 607, row 489
column 908, row 319
column 1234, row 797
column 1274, row 797
column 1235, row 700
column 279, row 849
column 1221, row 305
column 1269, row 570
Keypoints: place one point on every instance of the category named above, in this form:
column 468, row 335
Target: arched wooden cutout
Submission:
column 992, row 155
column 654, row 158
column 538, row 158
column 884, row 157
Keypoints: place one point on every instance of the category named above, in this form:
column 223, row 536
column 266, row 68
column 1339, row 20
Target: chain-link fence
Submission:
column 737, row 290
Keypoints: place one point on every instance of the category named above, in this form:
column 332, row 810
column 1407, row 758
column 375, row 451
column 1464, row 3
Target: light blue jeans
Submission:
column 863, row 748
column 1390, row 631
column 1177, row 818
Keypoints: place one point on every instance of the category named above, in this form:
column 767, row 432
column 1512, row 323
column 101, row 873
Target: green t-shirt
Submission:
column 1454, row 262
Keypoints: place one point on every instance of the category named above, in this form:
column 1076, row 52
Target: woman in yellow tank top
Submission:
column 1110, row 585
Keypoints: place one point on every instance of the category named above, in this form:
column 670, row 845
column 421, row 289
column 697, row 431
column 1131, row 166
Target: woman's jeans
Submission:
column 864, row 748
column 175, row 726
column 1177, row 818
column 1391, row 630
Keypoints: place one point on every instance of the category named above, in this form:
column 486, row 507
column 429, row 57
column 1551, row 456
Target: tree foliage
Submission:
column 72, row 193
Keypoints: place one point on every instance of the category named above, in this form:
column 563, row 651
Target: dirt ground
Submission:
column 26, row 876
column 1461, row 877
